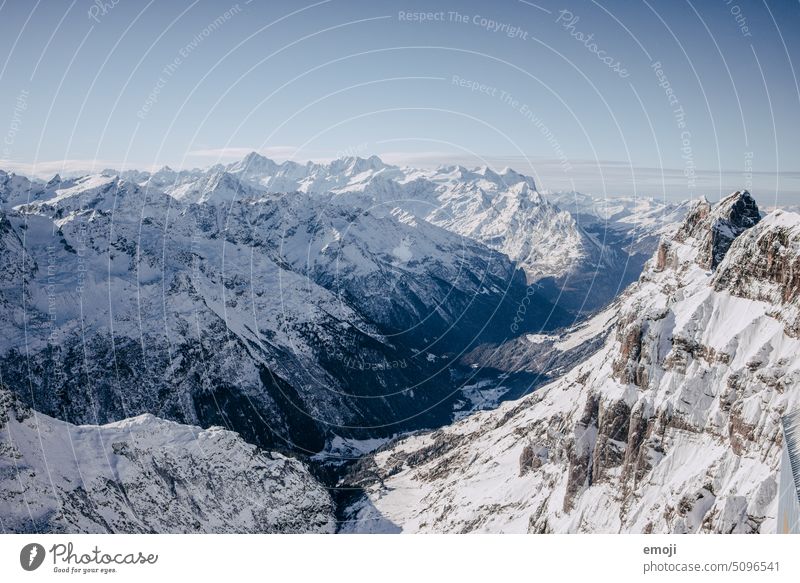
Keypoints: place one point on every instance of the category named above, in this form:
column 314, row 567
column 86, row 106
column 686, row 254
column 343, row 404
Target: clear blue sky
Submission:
column 79, row 82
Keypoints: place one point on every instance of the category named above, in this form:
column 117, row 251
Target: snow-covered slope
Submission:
column 505, row 212
column 145, row 474
column 672, row 426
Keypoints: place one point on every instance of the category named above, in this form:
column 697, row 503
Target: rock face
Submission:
column 766, row 267
column 147, row 475
column 672, row 426
column 717, row 227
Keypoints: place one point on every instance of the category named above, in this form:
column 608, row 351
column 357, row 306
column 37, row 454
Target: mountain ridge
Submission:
column 672, row 426
column 147, row 475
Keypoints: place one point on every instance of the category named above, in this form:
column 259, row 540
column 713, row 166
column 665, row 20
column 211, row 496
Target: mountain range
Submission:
column 318, row 312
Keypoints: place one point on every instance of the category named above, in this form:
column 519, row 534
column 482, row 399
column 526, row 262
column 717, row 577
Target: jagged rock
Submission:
column 731, row 218
column 612, row 436
column 627, row 366
column 579, row 473
column 635, row 463
column 662, row 256
column 765, row 266
column 532, row 458
column 716, row 227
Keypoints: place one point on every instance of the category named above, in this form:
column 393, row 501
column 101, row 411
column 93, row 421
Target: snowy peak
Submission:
column 219, row 187
column 481, row 177
column 85, row 192
column 353, row 165
column 509, row 176
column 706, row 233
column 740, row 209
column 291, row 176
column 15, row 190
column 93, row 193
column 733, row 215
column 254, row 164
column 714, row 227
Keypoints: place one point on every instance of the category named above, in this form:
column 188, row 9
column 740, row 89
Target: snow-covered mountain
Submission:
column 291, row 302
column 289, row 317
column 501, row 210
column 622, row 232
column 672, row 426
column 314, row 309
column 628, row 231
column 651, row 214
column 145, row 474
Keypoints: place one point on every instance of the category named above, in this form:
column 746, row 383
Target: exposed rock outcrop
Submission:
column 715, row 227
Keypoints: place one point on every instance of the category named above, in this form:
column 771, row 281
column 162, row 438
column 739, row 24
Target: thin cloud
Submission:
column 237, row 153
column 48, row 168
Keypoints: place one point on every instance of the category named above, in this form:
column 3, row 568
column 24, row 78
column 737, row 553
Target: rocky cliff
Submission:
column 672, row 426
